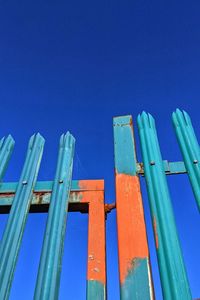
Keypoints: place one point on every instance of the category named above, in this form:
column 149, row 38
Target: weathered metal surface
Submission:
column 190, row 149
column 171, row 266
column 96, row 268
column 134, row 265
column 87, row 196
column 42, row 195
column 170, row 168
column 13, row 233
column 48, row 280
column 125, row 161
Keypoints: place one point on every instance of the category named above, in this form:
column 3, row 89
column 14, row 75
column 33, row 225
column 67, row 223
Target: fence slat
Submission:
column 48, row 280
column 171, row 266
column 190, row 149
column 134, row 264
column 13, row 233
column 6, row 148
column 96, row 268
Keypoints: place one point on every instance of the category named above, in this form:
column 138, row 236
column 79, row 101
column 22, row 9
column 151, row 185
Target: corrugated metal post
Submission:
column 13, row 233
column 48, row 280
column 134, row 264
column 96, row 271
column 190, row 149
column 171, row 266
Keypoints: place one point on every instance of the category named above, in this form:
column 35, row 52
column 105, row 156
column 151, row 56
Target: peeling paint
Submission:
column 132, row 240
column 136, row 284
column 96, row 237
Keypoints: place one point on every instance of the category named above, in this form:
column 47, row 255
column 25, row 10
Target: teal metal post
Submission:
column 190, row 149
column 171, row 266
column 13, row 233
column 48, row 280
column 6, row 148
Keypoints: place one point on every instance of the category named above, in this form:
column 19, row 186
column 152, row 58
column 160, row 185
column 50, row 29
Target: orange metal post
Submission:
column 134, row 264
column 96, row 271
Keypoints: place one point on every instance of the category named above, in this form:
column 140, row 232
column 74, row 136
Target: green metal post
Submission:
column 47, row 286
column 13, row 233
column 171, row 266
column 190, row 149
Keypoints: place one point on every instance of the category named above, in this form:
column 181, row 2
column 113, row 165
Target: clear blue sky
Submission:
column 73, row 65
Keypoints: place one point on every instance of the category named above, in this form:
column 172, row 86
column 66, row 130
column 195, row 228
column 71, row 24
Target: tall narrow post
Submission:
column 48, row 280
column 96, row 270
column 11, row 240
column 190, row 149
column 171, row 266
column 134, row 264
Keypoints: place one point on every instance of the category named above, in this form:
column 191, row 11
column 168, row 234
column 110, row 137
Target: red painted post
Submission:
column 134, row 264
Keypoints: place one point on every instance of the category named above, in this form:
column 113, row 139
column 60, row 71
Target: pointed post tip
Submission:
column 174, row 116
column 151, row 117
column 143, row 113
column 10, row 137
column 36, row 137
column 67, row 140
column 178, row 111
column 139, row 121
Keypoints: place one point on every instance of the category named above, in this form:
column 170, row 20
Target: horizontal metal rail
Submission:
column 46, row 186
column 170, row 168
column 42, row 194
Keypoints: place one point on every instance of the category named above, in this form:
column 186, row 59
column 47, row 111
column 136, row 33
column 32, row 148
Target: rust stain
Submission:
column 132, row 239
column 109, row 207
column 155, row 231
column 6, row 195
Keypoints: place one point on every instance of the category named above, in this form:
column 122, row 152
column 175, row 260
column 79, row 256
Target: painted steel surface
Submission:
column 13, row 233
column 87, row 196
column 190, row 149
column 48, row 280
column 96, row 268
column 134, row 264
column 42, row 194
column 170, row 168
column 46, row 186
column 171, row 266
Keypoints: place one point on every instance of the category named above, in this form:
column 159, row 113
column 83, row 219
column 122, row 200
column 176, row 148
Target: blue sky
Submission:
column 73, row 65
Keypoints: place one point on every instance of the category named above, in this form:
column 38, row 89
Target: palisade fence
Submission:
column 64, row 194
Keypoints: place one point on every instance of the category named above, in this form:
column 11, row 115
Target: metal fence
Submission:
column 64, row 195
